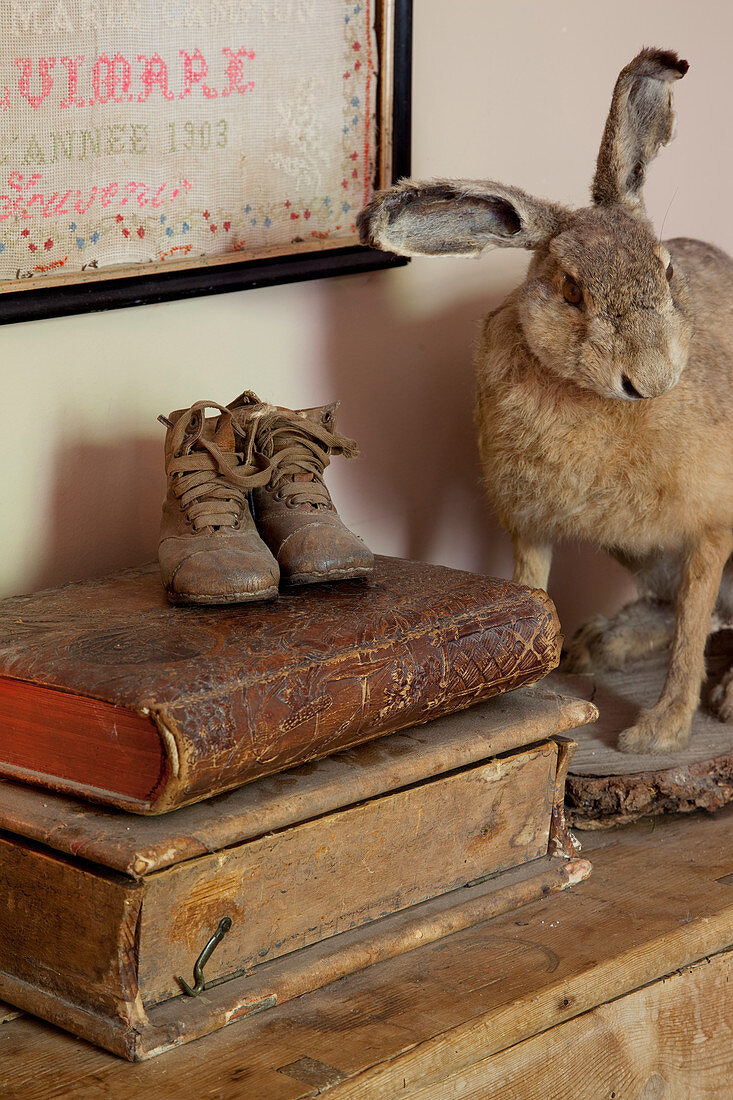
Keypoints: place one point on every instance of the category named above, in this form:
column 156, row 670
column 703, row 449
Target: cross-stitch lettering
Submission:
column 28, row 201
column 134, row 131
column 119, row 79
column 21, row 18
column 111, row 80
column 219, row 13
column 118, row 138
column 189, row 135
column 72, row 67
column 195, row 69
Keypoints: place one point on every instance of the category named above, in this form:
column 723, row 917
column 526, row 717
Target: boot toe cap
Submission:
column 319, row 552
column 223, row 576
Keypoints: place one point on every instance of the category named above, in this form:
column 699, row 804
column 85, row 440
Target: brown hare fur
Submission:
column 605, row 392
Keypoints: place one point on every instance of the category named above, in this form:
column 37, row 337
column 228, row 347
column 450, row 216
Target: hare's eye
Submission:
column 669, row 272
column 571, row 292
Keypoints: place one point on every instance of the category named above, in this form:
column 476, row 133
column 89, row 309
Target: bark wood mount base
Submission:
column 606, row 787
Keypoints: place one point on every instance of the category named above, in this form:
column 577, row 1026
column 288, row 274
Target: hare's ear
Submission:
column 456, row 218
column 640, row 121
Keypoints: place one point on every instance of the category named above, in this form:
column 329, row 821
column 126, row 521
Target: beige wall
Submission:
column 516, row 91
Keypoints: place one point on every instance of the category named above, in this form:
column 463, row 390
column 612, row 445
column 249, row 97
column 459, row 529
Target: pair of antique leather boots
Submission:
column 246, row 508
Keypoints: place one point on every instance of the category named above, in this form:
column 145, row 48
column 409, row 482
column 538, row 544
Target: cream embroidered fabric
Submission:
column 135, row 131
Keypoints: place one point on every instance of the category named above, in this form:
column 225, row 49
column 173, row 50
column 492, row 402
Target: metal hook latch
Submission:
column 198, row 971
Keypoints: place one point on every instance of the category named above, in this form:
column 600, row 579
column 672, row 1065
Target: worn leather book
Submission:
column 109, row 692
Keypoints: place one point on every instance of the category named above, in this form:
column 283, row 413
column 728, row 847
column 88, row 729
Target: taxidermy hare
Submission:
column 605, row 392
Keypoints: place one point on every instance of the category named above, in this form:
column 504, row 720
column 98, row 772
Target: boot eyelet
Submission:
column 278, row 495
column 235, row 526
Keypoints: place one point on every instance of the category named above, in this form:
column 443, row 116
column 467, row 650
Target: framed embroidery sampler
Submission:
column 159, row 149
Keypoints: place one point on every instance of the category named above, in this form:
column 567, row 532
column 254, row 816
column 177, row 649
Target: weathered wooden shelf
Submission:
column 623, row 986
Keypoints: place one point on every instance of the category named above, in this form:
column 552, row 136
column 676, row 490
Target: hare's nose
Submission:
column 629, row 388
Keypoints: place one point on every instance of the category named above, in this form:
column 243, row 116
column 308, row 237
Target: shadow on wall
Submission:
column 105, row 509
column 406, row 383
column 406, row 386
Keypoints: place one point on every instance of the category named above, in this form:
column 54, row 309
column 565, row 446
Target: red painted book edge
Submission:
column 79, row 745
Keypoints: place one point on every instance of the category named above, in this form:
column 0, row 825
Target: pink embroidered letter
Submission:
column 154, row 72
column 195, row 76
column 235, row 71
column 25, row 64
column 117, row 80
column 72, row 65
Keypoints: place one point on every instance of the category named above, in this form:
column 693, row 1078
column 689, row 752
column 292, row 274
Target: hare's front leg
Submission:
column 666, row 726
column 532, row 561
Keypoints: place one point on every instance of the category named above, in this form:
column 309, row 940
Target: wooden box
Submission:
column 318, row 872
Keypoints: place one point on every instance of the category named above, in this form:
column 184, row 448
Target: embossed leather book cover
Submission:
column 109, row 692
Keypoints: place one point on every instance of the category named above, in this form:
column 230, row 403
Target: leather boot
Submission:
column 293, row 511
column 209, row 551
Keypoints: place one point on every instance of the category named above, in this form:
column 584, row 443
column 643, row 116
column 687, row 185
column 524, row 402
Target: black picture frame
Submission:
column 111, row 292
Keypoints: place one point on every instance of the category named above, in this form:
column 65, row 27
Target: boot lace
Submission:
column 210, row 484
column 298, row 450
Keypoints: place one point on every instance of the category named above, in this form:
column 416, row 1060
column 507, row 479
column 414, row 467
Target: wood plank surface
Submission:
column 301, row 885
column 660, row 898
column 673, row 1038
column 138, row 846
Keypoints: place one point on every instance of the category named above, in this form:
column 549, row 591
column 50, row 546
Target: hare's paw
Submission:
column 636, row 631
column 721, row 698
column 586, row 649
column 658, row 730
